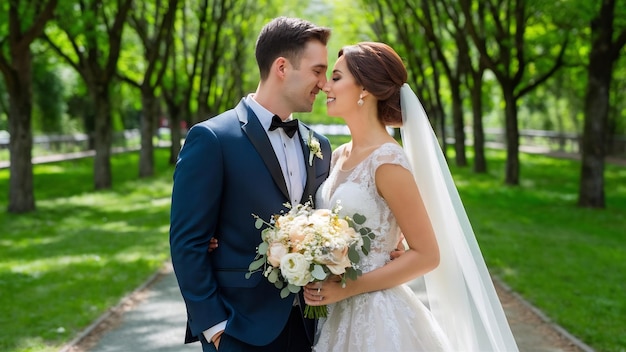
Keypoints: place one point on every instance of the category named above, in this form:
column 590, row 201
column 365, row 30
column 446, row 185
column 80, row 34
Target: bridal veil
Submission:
column 459, row 291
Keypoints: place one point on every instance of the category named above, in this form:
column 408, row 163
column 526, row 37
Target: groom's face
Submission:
column 303, row 84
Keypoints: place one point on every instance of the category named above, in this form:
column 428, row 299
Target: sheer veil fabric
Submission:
column 459, row 291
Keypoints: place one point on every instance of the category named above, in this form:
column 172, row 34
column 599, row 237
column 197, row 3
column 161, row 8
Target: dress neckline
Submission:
column 342, row 169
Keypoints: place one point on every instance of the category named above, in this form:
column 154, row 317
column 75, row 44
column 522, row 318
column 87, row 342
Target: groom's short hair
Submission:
column 286, row 37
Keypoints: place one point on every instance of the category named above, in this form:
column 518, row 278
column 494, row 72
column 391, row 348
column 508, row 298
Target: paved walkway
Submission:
column 153, row 319
column 150, row 319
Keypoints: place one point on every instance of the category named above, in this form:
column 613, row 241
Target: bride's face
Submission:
column 342, row 91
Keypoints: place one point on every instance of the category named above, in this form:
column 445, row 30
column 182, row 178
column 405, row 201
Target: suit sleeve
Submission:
column 196, row 195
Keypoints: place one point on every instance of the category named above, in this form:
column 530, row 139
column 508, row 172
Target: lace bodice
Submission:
column 357, row 192
column 388, row 320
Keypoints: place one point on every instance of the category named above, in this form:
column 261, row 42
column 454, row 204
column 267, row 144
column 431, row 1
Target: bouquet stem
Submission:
column 315, row 312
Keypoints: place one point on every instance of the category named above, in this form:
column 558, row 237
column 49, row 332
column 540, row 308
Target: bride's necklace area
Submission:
column 352, row 157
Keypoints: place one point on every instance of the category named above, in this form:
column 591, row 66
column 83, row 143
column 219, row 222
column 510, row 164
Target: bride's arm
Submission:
column 397, row 186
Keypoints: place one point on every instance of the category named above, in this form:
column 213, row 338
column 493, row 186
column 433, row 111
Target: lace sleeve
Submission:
column 389, row 153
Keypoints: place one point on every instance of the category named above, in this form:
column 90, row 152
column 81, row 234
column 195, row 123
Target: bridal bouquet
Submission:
column 306, row 245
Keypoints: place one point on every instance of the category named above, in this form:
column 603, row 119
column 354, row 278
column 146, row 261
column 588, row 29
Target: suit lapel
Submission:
column 258, row 137
column 303, row 131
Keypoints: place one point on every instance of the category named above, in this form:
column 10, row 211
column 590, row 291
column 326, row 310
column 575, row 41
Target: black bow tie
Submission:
column 290, row 127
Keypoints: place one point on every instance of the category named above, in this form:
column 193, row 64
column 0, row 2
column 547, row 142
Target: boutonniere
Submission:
column 314, row 147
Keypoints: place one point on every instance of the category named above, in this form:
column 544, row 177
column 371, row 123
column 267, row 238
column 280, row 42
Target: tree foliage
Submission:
column 89, row 37
column 507, row 65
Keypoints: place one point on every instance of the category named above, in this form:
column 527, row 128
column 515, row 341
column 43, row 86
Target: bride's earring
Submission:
column 360, row 102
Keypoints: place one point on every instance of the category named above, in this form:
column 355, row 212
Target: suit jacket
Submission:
column 227, row 171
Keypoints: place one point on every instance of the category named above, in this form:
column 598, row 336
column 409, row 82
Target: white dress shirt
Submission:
column 288, row 151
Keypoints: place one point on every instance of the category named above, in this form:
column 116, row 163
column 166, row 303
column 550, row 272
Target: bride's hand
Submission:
column 325, row 292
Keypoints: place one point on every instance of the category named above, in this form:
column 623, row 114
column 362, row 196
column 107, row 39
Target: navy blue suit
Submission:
column 227, row 171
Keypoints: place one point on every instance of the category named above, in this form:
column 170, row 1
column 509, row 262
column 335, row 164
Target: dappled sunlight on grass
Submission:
column 80, row 252
column 35, row 344
column 50, row 169
column 35, row 267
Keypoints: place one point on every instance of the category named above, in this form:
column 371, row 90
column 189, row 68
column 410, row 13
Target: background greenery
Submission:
column 81, row 250
column 62, row 103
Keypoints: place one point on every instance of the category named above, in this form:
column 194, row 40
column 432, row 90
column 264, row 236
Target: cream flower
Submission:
column 337, row 261
column 315, row 148
column 295, row 268
column 306, row 244
column 275, row 253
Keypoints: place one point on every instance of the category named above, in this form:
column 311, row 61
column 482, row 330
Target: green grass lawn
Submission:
column 65, row 264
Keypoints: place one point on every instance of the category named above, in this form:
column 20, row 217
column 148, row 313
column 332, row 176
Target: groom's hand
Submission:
column 212, row 245
column 399, row 250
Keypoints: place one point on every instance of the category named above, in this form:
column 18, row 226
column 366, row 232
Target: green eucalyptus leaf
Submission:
column 284, row 293
column 273, row 276
column 358, row 218
column 318, row 272
column 366, row 245
column 353, row 255
column 263, row 248
column 258, row 223
column 364, row 231
column 255, row 265
column 351, row 274
column 293, row 288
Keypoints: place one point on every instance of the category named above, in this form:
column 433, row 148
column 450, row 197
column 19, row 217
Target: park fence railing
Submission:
column 64, row 143
column 548, row 141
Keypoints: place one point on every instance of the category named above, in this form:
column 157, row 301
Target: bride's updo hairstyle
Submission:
column 380, row 70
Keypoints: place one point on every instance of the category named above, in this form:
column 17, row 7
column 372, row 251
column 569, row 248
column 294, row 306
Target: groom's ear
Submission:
column 280, row 66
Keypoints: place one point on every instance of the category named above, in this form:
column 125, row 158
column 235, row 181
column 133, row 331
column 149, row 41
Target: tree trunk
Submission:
column 103, row 136
column 459, row 125
column 21, row 193
column 175, row 118
column 512, row 138
column 148, row 126
column 480, row 162
column 591, row 192
column 23, row 29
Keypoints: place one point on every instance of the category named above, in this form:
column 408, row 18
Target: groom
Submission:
column 249, row 161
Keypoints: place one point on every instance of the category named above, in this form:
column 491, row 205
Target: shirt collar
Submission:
column 264, row 115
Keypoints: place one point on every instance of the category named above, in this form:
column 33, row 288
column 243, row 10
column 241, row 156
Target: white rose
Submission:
column 275, row 253
column 295, row 268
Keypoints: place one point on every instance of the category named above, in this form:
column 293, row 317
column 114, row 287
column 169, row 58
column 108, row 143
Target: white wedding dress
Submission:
column 389, row 320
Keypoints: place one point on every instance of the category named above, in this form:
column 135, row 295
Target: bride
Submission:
column 402, row 191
